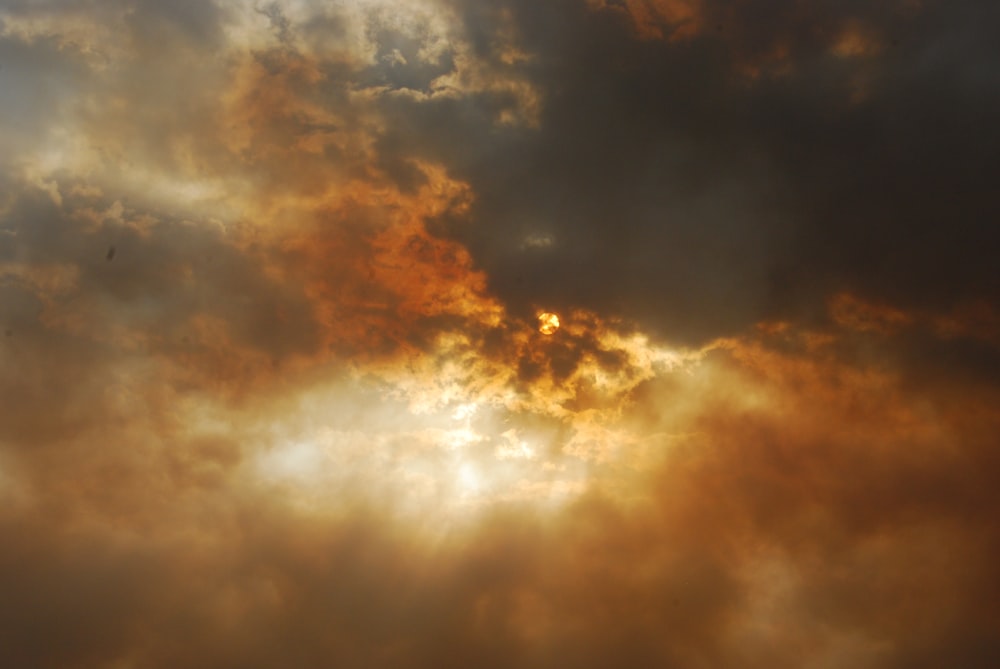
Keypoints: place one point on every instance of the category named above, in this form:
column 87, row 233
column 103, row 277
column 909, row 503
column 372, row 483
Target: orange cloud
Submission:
column 285, row 424
column 765, row 498
column 659, row 19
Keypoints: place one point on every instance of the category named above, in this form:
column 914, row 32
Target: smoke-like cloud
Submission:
column 273, row 392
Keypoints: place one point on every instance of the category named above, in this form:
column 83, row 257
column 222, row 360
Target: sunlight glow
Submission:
column 468, row 479
column 548, row 323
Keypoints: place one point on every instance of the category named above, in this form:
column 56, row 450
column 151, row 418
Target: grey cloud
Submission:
column 38, row 80
column 77, row 320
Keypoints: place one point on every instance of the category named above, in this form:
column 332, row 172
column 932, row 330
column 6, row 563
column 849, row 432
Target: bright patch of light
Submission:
column 464, row 411
column 468, row 479
column 461, row 438
column 298, row 461
column 548, row 323
column 514, row 448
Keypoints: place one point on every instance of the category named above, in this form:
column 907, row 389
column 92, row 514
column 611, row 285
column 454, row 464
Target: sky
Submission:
column 281, row 383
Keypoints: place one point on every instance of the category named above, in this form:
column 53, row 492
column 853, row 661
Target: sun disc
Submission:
column 548, row 323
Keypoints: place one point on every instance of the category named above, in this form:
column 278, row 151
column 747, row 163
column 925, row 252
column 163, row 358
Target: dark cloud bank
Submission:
column 745, row 172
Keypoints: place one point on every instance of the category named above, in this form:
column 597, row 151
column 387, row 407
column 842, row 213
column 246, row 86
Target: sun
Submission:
column 548, row 323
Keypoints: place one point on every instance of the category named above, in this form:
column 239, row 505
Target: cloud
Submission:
column 273, row 392
column 702, row 184
column 789, row 510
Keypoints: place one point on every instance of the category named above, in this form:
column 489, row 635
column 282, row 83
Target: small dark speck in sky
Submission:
column 111, row 254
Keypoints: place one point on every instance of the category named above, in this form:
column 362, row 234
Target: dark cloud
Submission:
column 700, row 184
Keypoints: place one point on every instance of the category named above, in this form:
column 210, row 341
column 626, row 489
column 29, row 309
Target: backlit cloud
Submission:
column 274, row 390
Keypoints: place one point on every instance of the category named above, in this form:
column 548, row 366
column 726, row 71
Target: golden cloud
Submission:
column 257, row 411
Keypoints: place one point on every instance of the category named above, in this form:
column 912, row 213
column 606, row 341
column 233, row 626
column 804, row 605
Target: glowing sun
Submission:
column 548, row 323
